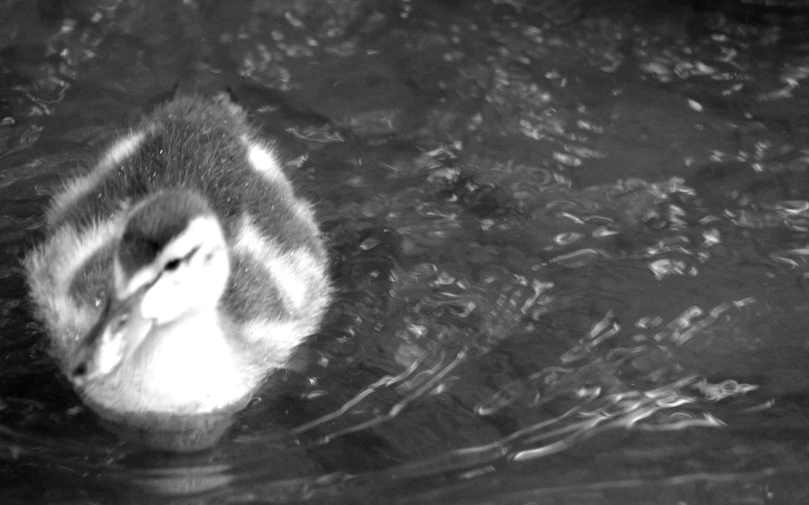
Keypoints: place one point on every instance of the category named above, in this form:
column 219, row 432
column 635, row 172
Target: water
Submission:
column 569, row 240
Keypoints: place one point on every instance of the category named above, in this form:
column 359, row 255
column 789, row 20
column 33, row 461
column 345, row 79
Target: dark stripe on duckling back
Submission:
column 250, row 293
column 195, row 146
column 90, row 283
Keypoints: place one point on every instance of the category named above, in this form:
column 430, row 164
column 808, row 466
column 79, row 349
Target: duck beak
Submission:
column 114, row 338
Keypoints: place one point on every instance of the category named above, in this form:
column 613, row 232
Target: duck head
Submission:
column 171, row 263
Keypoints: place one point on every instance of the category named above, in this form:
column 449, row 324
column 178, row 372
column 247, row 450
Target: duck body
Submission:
column 181, row 270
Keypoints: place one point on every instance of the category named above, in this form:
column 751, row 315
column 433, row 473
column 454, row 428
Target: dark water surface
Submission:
column 570, row 240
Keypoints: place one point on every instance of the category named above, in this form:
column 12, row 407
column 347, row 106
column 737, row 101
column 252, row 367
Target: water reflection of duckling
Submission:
column 182, row 269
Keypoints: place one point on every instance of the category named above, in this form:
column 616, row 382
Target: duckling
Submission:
column 181, row 270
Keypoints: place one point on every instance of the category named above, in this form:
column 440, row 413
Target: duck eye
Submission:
column 120, row 323
column 172, row 265
column 80, row 371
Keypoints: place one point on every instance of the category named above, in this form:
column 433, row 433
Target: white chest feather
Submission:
column 190, row 367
